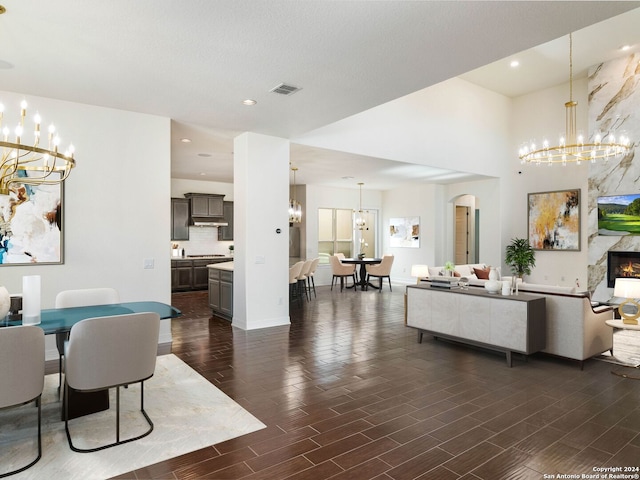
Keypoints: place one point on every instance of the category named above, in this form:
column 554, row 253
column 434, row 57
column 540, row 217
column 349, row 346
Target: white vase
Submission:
column 5, row 302
column 493, row 274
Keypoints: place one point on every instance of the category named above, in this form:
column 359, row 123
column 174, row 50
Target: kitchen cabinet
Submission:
column 191, row 273
column 181, row 275
column 200, row 274
column 206, row 205
column 221, row 292
column 226, row 233
column 179, row 219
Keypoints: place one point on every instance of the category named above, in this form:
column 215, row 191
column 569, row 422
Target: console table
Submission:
column 509, row 323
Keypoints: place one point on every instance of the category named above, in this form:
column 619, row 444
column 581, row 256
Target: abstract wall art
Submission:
column 554, row 220
column 404, row 232
column 31, row 225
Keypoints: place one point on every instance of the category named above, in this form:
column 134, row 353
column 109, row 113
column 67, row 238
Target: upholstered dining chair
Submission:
column 22, row 376
column 303, row 278
column 81, row 298
column 381, row 270
column 294, row 273
column 312, row 272
column 110, row 352
column 341, row 271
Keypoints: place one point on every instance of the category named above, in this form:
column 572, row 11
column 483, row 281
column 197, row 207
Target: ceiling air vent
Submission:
column 284, row 89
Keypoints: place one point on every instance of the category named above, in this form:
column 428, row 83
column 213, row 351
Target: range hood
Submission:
column 208, row 222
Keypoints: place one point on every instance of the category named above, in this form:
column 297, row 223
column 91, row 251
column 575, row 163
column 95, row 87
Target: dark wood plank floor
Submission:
column 346, row 392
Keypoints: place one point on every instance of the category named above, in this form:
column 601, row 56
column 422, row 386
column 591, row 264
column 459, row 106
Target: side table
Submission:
column 626, row 326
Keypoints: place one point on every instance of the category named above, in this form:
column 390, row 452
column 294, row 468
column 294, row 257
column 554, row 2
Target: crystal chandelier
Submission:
column 24, row 161
column 572, row 147
column 361, row 223
column 295, row 209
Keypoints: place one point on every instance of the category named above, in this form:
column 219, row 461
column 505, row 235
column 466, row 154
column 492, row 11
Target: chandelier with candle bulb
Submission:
column 360, row 220
column 24, row 160
column 572, row 148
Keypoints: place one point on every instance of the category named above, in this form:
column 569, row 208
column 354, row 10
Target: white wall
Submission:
column 116, row 205
column 453, row 124
column 536, row 116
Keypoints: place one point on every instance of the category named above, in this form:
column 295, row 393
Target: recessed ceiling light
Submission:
column 249, row 101
column 202, row 174
column 204, row 154
column 347, row 178
column 185, row 140
column 514, row 63
column 624, row 48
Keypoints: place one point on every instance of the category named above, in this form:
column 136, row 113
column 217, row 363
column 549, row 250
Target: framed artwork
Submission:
column 619, row 214
column 31, row 226
column 404, row 232
column 554, row 220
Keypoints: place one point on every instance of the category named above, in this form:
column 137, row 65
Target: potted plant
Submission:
column 231, row 250
column 449, row 268
column 520, row 257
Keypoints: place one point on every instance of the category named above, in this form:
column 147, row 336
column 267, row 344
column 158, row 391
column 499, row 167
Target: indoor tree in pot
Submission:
column 520, row 257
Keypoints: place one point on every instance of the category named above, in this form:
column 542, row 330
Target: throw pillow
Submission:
column 456, row 274
column 482, row 273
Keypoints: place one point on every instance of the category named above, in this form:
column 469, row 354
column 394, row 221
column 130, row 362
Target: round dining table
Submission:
column 363, row 262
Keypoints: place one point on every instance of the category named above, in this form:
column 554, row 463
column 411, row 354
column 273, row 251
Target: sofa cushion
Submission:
column 463, row 270
column 482, row 273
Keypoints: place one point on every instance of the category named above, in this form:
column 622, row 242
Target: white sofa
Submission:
column 463, row 271
column 575, row 329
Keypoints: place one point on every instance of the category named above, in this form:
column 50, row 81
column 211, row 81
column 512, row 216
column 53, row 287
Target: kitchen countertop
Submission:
column 227, row 266
column 203, row 257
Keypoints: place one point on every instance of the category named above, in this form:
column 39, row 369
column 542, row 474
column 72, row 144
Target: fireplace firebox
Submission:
column 622, row 264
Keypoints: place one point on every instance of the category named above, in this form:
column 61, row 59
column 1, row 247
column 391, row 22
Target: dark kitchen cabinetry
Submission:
column 221, row 292
column 181, row 275
column 179, row 219
column 226, row 233
column 200, row 274
column 192, row 273
column 205, row 205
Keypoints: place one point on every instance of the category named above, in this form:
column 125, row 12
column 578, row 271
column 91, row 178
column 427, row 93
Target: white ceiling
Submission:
column 195, row 61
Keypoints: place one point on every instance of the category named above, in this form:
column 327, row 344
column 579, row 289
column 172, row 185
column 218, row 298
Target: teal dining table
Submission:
column 59, row 321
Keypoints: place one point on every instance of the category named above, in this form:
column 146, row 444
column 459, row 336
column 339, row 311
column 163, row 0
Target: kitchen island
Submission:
column 221, row 289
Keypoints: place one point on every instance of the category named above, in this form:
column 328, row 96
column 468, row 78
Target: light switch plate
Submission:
column 148, row 263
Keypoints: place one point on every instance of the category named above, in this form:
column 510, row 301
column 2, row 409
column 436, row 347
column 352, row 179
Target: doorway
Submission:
column 466, row 232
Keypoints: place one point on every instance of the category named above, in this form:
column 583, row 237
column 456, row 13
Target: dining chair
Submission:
column 381, row 270
column 303, row 278
column 81, row 298
column 312, row 272
column 342, row 272
column 110, row 352
column 22, row 376
column 294, row 273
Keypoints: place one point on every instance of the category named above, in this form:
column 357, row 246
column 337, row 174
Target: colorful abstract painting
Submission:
column 554, row 220
column 31, row 225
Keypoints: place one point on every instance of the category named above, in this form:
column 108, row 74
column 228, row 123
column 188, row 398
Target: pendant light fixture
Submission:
column 295, row 209
column 571, row 147
column 360, row 220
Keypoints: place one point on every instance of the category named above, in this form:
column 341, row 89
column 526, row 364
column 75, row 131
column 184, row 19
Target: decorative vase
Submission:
column 5, row 302
column 493, row 274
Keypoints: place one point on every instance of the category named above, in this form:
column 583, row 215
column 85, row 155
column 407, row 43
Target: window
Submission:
column 335, row 233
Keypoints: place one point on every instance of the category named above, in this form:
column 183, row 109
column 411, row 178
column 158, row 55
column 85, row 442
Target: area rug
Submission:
column 188, row 412
column 626, row 349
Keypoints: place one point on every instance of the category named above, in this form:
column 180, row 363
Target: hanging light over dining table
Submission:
column 295, row 209
column 24, row 160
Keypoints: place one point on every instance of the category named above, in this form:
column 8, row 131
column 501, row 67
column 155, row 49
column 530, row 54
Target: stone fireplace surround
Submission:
column 614, row 97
